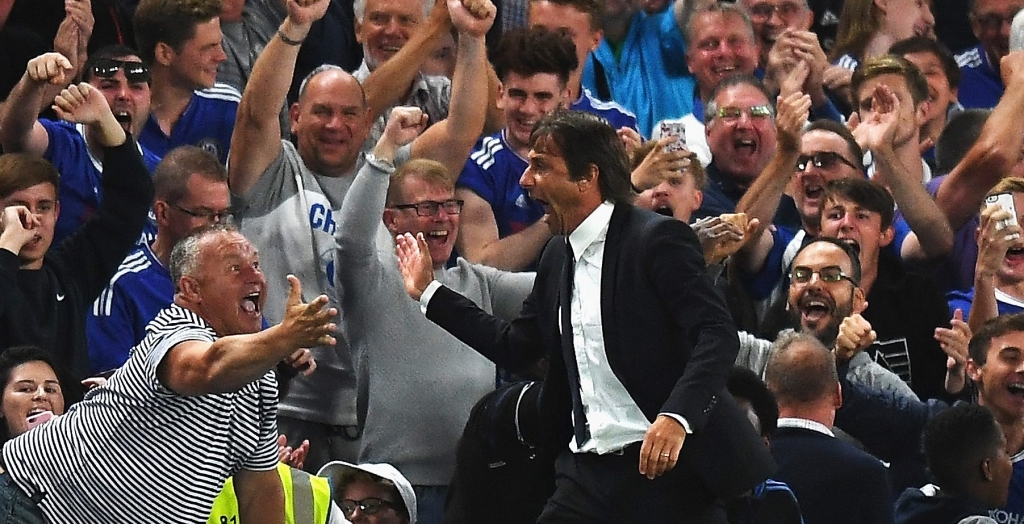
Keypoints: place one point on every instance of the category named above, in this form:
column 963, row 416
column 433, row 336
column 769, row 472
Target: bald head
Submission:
column 801, row 371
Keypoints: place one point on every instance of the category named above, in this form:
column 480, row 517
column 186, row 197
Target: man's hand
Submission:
column 792, row 81
column 661, row 446
column 794, row 110
column 404, row 125
column 630, row 139
column 660, row 164
column 302, row 361
column 307, row 325
column 49, row 68
column 301, row 15
column 993, row 242
column 472, row 17
column 295, row 458
column 721, row 238
column 17, row 228
column 414, row 262
column 80, row 12
column 879, row 129
column 84, row 104
column 855, row 334
column 1011, row 68
column 954, row 341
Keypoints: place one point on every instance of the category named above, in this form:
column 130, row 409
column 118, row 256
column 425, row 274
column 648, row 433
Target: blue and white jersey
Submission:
column 617, row 115
column 117, row 320
column 980, row 84
column 1013, row 511
column 81, row 176
column 493, row 172
column 208, row 121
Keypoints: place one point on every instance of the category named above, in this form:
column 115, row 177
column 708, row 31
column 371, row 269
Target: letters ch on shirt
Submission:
column 321, row 218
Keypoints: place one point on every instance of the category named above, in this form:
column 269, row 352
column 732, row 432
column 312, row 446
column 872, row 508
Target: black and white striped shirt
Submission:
column 134, row 451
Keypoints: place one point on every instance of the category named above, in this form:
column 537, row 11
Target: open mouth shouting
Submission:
column 251, row 304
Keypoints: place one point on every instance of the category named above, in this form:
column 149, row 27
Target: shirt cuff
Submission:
column 678, row 418
column 428, row 293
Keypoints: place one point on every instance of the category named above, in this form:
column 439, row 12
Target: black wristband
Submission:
column 284, row 38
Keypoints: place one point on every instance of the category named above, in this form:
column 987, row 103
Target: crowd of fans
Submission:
column 228, row 229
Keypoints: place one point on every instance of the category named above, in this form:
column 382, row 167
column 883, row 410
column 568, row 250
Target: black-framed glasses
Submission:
column 994, row 21
column 428, row 208
column 205, row 214
column 734, row 113
column 822, row 160
column 134, row 72
column 367, row 506
column 828, row 274
column 764, row 10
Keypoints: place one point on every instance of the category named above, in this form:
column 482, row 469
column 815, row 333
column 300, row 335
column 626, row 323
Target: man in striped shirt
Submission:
column 195, row 403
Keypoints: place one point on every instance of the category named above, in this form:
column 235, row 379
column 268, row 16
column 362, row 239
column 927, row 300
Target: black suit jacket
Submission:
column 834, row 482
column 668, row 336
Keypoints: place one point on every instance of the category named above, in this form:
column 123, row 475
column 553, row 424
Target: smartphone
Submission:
column 1005, row 201
column 676, row 129
column 39, row 419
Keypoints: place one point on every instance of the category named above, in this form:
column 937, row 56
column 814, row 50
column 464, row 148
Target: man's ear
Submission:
column 188, row 288
column 164, row 54
column 595, row 42
column 358, row 26
column 837, row 400
column 859, row 303
column 886, row 237
column 921, row 112
column 160, row 211
column 293, row 116
column 985, row 468
column 500, row 102
column 389, row 219
column 974, row 370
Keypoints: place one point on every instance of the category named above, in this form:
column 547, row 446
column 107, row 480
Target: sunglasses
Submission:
column 830, row 275
column 729, row 113
column 135, row 72
column 367, row 506
column 822, row 160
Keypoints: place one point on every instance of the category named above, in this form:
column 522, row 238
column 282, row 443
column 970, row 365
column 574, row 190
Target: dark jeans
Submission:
column 15, row 506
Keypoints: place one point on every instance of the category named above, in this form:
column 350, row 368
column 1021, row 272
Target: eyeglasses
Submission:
column 829, row 274
column 822, row 160
column 764, row 10
column 428, row 208
column 212, row 216
column 731, row 113
column 134, row 72
column 994, row 21
column 367, row 506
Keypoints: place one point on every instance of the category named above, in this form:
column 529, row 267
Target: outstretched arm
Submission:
column 478, row 240
column 256, row 141
column 197, row 368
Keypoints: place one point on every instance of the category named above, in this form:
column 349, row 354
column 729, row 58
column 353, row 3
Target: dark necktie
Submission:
column 580, row 430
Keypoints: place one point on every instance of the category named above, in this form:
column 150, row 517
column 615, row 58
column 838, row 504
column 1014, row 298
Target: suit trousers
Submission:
column 609, row 488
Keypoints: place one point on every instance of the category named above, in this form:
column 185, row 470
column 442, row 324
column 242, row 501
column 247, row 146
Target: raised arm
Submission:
column 450, row 141
column 931, row 234
column 364, row 202
column 764, row 195
column 993, row 154
column 256, row 140
column 198, row 368
column 992, row 245
column 478, row 240
column 20, row 129
column 389, row 83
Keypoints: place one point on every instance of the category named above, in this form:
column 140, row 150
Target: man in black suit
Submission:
column 833, row 481
column 647, row 339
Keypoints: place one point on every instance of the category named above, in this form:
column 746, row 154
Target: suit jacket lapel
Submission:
column 609, row 273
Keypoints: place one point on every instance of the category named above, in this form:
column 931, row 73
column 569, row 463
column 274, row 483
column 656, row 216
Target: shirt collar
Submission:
column 802, row 423
column 591, row 227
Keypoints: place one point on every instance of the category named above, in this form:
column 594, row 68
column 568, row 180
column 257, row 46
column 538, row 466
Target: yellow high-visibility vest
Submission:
column 307, row 499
